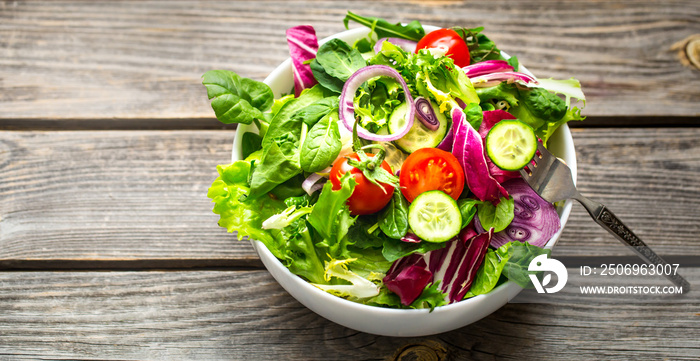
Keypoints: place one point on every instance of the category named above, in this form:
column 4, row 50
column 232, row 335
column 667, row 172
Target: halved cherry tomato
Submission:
column 456, row 48
column 430, row 169
column 367, row 197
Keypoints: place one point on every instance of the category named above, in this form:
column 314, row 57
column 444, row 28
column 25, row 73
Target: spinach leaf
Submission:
column 467, row 207
column 474, row 115
column 498, row 217
column 490, row 271
column 322, row 144
column 543, row 104
column 250, row 143
column 278, row 164
column 412, row 31
column 331, row 217
column 314, row 112
column 431, row 297
column 339, row 60
column 521, row 254
column 236, row 99
column 327, row 81
column 363, row 45
column 289, row 188
column 284, row 124
column 513, row 61
column 365, row 234
column 394, row 218
column 395, row 249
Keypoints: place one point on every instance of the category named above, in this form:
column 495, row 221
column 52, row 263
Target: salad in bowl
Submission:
column 376, row 172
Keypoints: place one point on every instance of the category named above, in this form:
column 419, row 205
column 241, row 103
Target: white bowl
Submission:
column 386, row 321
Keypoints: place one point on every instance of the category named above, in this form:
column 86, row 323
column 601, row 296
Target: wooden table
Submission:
column 109, row 249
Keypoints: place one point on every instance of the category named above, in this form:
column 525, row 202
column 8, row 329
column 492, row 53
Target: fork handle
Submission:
column 609, row 221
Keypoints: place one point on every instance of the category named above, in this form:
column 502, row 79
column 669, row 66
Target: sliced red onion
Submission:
column 310, row 183
column 411, row 238
column 407, row 45
column 347, row 108
column 487, row 67
column 492, row 79
column 535, row 220
column 426, row 113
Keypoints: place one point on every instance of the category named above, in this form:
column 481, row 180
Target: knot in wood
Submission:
column 692, row 51
column 688, row 51
column 423, row 351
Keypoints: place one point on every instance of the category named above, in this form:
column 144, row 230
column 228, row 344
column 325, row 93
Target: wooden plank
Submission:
column 246, row 315
column 88, row 62
column 141, row 195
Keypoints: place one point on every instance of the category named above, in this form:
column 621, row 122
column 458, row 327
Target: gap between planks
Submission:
column 252, row 264
column 212, row 124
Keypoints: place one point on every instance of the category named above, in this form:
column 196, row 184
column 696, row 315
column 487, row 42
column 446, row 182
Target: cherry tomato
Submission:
column 430, row 169
column 456, row 47
column 367, row 197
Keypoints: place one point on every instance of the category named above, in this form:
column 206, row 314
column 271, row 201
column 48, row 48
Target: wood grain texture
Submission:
column 141, row 195
column 247, row 315
column 84, row 62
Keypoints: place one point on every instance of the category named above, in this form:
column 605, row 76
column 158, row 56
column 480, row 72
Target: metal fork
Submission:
column 551, row 178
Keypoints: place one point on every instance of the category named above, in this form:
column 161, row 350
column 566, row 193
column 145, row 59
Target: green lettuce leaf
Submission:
column 331, row 217
column 244, row 217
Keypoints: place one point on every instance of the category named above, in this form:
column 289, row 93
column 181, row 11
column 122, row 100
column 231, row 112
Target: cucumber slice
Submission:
column 435, row 217
column 511, row 144
column 418, row 136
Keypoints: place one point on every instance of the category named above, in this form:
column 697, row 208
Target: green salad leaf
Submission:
column 496, row 217
column 236, row 99
column 244, row 217
column 393, row 220
column 250, row 143
column 321, row 145
column 331, row 217
column 490, row 271
column 516, row 268
column 467, row 207
column 383, row 29
column 339, row 59
column 278, row 164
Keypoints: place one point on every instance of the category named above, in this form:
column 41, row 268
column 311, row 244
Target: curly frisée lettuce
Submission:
column 285, row 194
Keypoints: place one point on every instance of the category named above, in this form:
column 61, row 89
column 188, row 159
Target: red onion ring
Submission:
column 426, row 114
column 492, row 79
column 487, row 67
column 310, row 183
column 347, row 108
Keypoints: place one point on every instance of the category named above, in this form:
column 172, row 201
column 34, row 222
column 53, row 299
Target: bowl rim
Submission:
column 506, row 291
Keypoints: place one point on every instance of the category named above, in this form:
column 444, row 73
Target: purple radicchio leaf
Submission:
column 303, row 46
column 468, row 148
